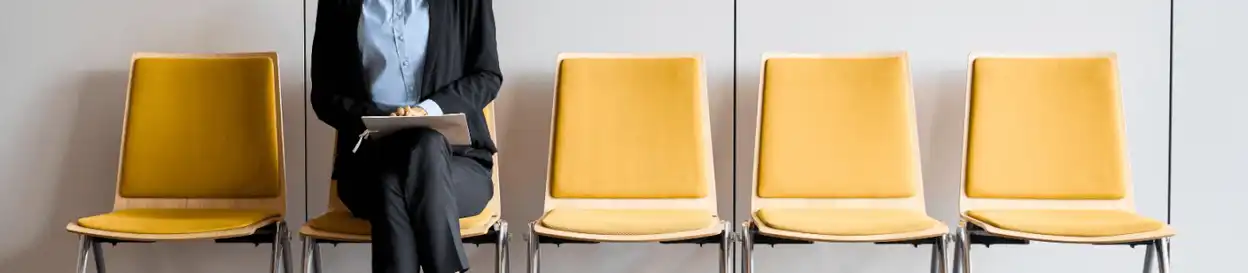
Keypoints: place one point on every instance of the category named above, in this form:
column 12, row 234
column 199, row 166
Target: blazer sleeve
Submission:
column 482, row 80
column 330, row 70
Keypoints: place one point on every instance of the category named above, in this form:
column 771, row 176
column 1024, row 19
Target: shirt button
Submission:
column 400, row 37
column 404, row 63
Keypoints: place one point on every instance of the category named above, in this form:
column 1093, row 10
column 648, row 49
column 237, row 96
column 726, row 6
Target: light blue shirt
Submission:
column 393, row 35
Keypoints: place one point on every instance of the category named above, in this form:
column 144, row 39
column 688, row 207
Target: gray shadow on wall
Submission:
column 524, row 120
column 942, row 160
column 522, row 114
column 87, row 172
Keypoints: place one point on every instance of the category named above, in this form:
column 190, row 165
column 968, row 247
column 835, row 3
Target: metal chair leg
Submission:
column 311, row 255
column 84, row 248
column 308, row 242
column 97, row 253
column 500, row 253
column 316, row 258
column 276, row 255
column 287, row 267
column 725, row 248
column 939, row 256
column 534, row 252
column 1163, row 255
column 1149, row 251
column 747, row 247
column 962, row 243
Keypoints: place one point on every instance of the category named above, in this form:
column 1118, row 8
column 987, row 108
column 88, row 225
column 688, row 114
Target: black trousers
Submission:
column 413, row 190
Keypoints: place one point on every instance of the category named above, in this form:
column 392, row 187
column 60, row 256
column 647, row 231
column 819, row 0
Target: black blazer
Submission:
column 461, row 72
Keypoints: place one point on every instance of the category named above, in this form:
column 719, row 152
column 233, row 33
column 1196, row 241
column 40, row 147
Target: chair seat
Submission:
column 628, row 221
column 343, row 222
column 846, row 222
column 175, row 221
column 1072, row 223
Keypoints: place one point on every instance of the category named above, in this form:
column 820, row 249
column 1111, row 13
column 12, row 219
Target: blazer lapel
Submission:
column 437, row 13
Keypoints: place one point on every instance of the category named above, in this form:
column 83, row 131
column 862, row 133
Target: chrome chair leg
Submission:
column 963, row 253
column 308, row 243
column 939, row 256
column 84, row 250
column 97, row 253
column 535, row 252
column 747, row 247
column 500, row 253
column 1163, row 255
column 276, row 255
column 1149, row 251
column 316, row 258
column 311, row 255
column 287, row 267
column 725, row 248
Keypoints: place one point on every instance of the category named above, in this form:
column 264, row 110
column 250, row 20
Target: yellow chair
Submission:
column 201, row 156
column 1045, row 159
column 630, row 155
column 837, row 155
column 338, row 226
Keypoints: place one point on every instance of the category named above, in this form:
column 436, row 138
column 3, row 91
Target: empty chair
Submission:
column 1045, row 158
column 339, row 226
column 630, row 155
column 201, row 156
column 837, row 156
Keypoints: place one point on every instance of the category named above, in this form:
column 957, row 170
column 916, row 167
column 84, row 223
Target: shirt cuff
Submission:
column 431, row 107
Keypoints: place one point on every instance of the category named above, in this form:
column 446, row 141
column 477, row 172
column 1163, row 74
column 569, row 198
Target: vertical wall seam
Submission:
column 306, row 84
column 734, row 112
column 1170, row 124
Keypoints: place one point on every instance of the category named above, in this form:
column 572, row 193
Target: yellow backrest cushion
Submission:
column 1045, row 128
column 202, row 128
column 629, row 128
column 836, row 128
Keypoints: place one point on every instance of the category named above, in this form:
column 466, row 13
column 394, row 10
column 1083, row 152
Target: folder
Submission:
column 452, row 126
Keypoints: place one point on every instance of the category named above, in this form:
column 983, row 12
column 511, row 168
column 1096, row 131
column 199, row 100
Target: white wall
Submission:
column 1210, row 134
column 64, row 66
column 63, row 71
column 938, row 36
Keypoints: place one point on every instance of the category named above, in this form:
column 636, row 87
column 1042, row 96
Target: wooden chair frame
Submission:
column 973, row 231
column 755, row 232
column 493, row 231
column 716, row 233
column 272, row 230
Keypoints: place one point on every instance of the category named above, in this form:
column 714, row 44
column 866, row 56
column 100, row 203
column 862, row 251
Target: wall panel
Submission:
column 65, row 65
column 938, row 36
column 1209, row 134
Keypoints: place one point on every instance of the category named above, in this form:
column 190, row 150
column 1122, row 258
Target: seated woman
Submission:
column 409, row 58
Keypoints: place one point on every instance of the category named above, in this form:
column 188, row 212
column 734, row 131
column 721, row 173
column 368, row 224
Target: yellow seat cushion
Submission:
column 837, row 128
column 630, row 128
column 340, row 221
column 1073, row 223
column 628, row 221
column 846, row 222
column 175, row 221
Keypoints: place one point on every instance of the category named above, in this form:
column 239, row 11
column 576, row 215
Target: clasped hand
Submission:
column 408, row 111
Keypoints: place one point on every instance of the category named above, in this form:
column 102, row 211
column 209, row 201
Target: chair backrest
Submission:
column 335, row 204
column 630, row 127
column 202, row 131
column 1044, row 132
column 836, row 131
